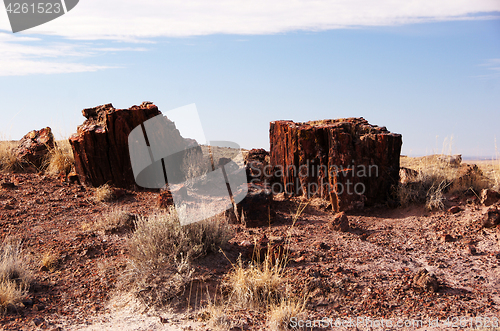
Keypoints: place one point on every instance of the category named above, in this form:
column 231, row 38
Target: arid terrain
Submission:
column 79, row 266
column 83, row 247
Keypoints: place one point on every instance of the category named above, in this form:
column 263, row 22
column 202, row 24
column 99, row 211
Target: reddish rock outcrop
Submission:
column 100, row 145
column 345, row 161
column 34, row 146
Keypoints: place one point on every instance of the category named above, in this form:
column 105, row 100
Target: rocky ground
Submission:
column 366, row 271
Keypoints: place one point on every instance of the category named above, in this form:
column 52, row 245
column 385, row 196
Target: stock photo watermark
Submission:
column 348, row 179
column 26, row 14
column 211, row 180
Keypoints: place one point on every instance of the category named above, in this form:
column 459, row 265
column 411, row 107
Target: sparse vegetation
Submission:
column 15, row 277
column 280, row 315
column 50, row 261
column 161, row 252
column 59, row 159
column 104, row 193
column 159, row 238
column 8, row 160
column 430, row 177
column 116, row 220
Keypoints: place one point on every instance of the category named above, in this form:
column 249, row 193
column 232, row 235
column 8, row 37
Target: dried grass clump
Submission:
column 160, row 238
column 117, row 220
column 257, row 285
column 8, row 160
column 15, row 277
column 50, row 261
column 280, row 316
column 104, row 193
column 161, row 252
column 265, row 287
column 60, row 159
column 430, row 177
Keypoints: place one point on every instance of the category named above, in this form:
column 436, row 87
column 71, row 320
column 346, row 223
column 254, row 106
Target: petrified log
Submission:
column 34, row 146
column 345, row 161
column 256, row 208
column 100, row 145
column 256, row 166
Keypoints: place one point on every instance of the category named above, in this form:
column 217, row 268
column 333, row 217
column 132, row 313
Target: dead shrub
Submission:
column 161, row 252
column 15, row 277
column 160, row 238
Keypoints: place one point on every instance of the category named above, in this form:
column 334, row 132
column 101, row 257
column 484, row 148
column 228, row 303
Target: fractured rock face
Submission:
column 348, row 162
column 256, row 208
column 100, row 145
column 34, row 146
column 257, row 166
column 491, row 217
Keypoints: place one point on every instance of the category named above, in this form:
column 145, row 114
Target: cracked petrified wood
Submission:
column 100, row 145
column 34, row 147
column 348, row 162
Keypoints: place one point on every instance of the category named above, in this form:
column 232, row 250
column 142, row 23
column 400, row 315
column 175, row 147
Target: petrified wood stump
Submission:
column 100, row 145
column 345, row 161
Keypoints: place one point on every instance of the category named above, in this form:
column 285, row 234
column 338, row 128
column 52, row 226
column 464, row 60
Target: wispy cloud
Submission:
column 21, row 56
column 135, row 20
column 493, row 65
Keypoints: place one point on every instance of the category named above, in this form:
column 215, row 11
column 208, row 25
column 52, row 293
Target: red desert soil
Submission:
column 366, row 271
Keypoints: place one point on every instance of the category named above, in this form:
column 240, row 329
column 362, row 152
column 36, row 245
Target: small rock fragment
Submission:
column 491, row 217
column 489, row 197
column 454, row 210
column 425, row 281
column 339, row 222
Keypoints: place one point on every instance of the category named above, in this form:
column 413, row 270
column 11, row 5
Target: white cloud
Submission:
column 25, row 55
column 133, row 20
column 139, row 21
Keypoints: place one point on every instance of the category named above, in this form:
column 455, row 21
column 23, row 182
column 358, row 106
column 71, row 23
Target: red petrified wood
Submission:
column 100, row 145
column 34, row 147
column 348, row 162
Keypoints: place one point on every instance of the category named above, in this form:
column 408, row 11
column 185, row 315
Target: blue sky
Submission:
column 429, row 70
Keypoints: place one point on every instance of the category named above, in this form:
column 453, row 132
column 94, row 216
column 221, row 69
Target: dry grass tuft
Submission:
column 104, row 193
column 60, row 159
column 15, row 277
column 160, row 238
column 280, row 315
column 161, row 251
column 117, row 220
column 50, row 261
column 8, row 160
column 430, row 177
column 257, row 285
column 263, row 286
